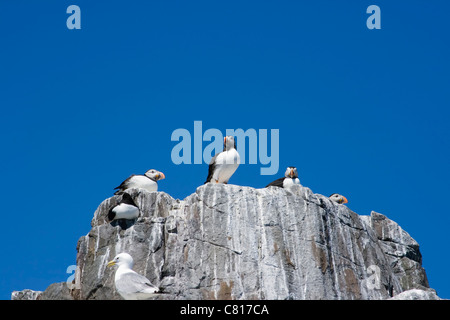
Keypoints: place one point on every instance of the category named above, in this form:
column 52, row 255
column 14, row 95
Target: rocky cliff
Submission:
column 234, row 242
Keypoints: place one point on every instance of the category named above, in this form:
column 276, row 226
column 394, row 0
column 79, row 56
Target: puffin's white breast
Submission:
column 226, row 164
column 287, row 182
column 126, row 211
column 142, row 182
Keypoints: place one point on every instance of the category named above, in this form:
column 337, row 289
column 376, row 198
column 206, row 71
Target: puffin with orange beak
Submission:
column 125, row 209
column 223, row 165
column 338, row 198
column 290, row 178
column 147, row 181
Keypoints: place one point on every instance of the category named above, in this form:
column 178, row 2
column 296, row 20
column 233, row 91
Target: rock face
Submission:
column 416, row 294
column 234, row 242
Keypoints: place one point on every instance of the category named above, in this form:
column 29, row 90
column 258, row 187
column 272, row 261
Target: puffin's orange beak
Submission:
column 161, row 176
column 292, row 173
column 225, row 141
column 344, row 200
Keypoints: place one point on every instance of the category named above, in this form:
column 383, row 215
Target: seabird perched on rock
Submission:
column 125, row 209
column 224, row 164
column 338, row 198
column 146, row 181
column 290, row 178
column 130, row 284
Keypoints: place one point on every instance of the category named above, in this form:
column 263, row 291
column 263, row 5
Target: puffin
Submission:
column 223, row 165
column 125, row 209
column 290, row 178
column 146, row 181
column 338, row 198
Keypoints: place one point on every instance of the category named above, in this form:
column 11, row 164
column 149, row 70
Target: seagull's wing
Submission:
column 276, row 183
column 134, row 283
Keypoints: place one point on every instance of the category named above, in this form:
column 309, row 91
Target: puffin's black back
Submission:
column 277, row 183
column 111, row 213
column 123, row 185
column 211, row 167
column 127, row 199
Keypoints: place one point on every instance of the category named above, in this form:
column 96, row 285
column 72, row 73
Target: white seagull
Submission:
column 130, row 284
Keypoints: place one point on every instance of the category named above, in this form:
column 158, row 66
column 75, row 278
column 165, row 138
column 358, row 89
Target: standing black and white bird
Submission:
column 224, row 164
column 125, row 209
column 290, row 178
column 146, row 181
column 338, row 198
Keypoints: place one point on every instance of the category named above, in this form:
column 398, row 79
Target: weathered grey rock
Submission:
column 57, row 291
column 234, row 242
column 401, row 250
column 25, row 294
column 417, row 294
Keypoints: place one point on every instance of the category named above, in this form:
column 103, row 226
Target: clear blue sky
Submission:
column 361, row 112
